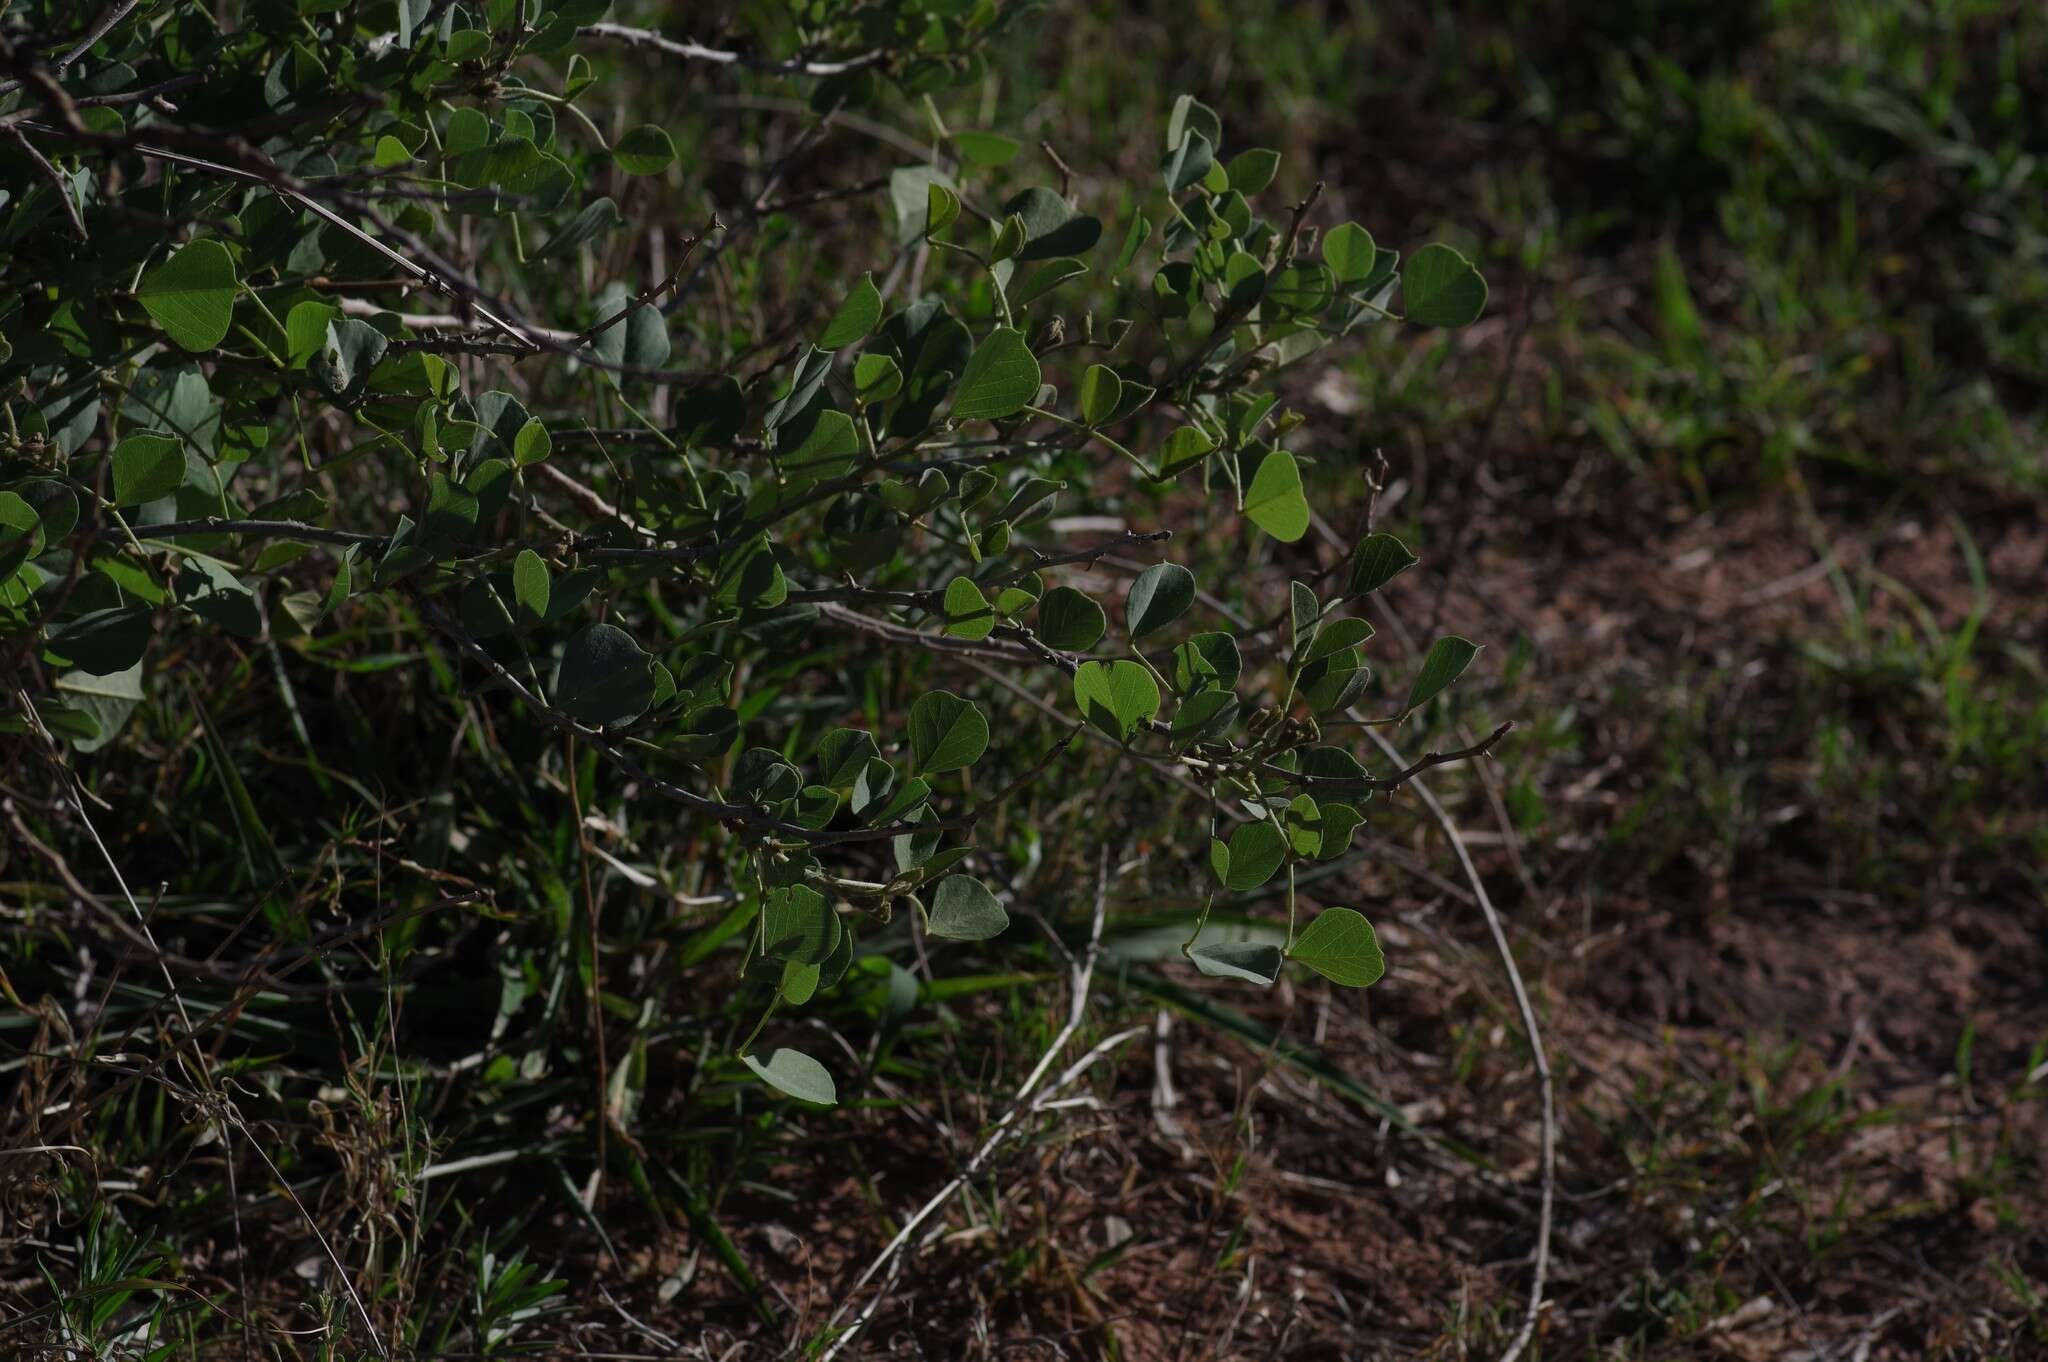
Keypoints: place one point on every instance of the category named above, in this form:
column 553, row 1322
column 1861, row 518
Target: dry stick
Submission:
column 642, row 37
column 99, row 30
column 1536, row 1053
column 1024, row 1104
column 221, row 1102
column 56, row 182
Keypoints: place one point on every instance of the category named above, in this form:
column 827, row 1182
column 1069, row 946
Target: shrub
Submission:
column 381, row 479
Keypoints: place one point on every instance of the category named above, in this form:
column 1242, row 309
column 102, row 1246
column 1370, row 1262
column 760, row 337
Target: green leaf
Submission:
column 1341, row 946
column 1000, row 378
column 910, row 196
column 604, row 678
column 532, row 444
column 530, row 586
column 1185, row 448
column 1161, row 595
column 795, row 1073
column 941, row 208
column 1117, row 697
column 1205, row 716
column 468, row 129
column 967, row 611
column 1256, row 852
column 798, row 924
column 964, row 910
column 595, row 219
column 1302, row 822
column 799, row 982
column 1188, row 162
column 1340, row 822
column 305, row 331
column 192, row 295
column 1274, row 501
column 1378, row 559
column 103, row 642
column 211, row 591
column 1205, row 662
column 645, row 150
column 1248, row 960
column 1441, row 288
column 1332, row 682
column 986, row 148
column 1101, row 391
column 1251, row 171
column 843, row 755
column 1051, row 226
column 827, row 452
column 876, row 378
column 1305, row 616
column 1070, row 620
column 856, row 316
column 1349, row 251
column 147, row 466
column 947, row 733
column 1447, row 660
column 1334, row 637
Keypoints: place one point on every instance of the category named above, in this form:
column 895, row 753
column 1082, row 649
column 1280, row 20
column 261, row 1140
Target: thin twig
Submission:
column 1022, row 1105
column 1536, row 1052
column 674, row 47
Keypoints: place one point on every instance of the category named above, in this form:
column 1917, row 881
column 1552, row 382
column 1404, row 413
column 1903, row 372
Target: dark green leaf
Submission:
column 1161, row 595
column 947, row 733
column 147, row 466
column 1441, row 288
column 1000, row 379
column 856, row 316
column 1378, row 559
column 604, row 678
column 192, row 295
column 1069, row 620
column 1447, row 660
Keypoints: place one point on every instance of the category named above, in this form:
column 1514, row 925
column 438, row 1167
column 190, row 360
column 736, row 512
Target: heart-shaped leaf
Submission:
column 1441, row 288
column 968, row 614
column 1070, row 620
column 798, row 924
column 1274, row 501
column 946, row 733
column 192, row 295
column 604, row 678
column 1000, row 378
column 645, row 150
column 1341, row 946
column 147, row 466
column 1117, row 697
column 964, row 910
column 1349, row 252
column 1256, row 852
